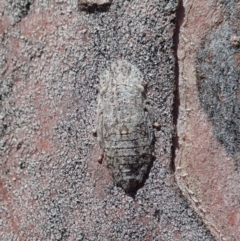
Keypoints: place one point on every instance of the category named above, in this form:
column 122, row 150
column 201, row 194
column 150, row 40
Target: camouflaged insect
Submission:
column 124, row 128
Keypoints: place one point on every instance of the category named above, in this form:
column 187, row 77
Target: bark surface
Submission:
column 207, row 162
column 51, row 185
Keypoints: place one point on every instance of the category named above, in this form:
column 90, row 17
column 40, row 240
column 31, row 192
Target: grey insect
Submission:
column 125, row 125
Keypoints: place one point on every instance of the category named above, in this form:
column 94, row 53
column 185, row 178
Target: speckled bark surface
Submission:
column 207, row 163
column 51, row 185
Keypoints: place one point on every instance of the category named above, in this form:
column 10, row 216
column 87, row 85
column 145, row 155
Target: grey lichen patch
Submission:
column 93, row 5
column 231, row 7
column 125, row 125
column 17, row 8
column 6, row 86
column 218, row 75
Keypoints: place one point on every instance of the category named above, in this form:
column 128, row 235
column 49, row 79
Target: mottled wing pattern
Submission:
column 124, row 128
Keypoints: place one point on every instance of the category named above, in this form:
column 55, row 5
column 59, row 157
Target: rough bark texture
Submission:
column 207, row 163
column 94, row 5
column 51, row 185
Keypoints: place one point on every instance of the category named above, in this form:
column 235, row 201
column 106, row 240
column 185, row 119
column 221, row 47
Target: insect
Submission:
column 125, row 125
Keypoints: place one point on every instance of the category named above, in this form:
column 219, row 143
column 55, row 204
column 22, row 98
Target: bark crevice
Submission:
column 180, row 13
